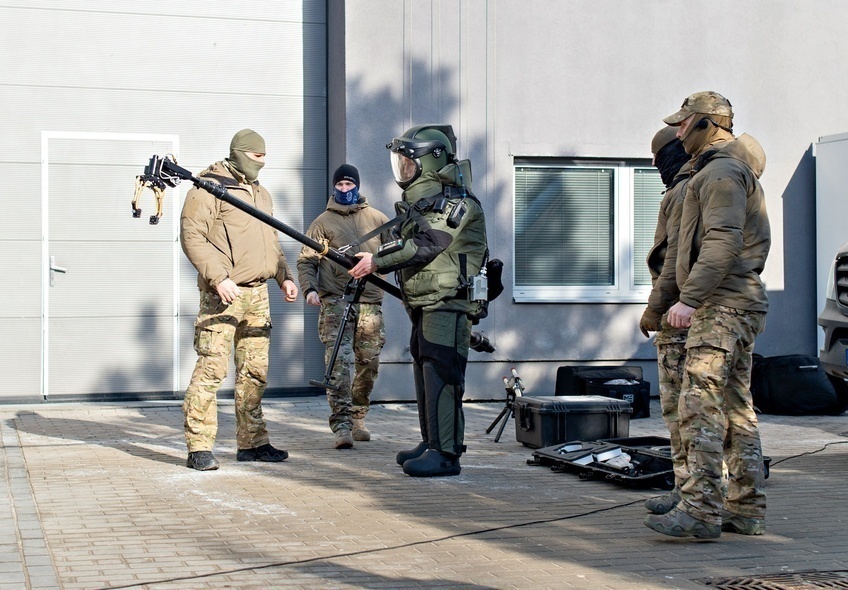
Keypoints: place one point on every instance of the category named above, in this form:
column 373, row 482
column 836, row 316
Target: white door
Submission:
column 109, row 299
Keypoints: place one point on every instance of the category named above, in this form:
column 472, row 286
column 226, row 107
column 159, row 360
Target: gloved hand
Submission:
column 650, row 322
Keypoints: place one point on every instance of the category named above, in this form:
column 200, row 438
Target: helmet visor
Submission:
column 405, row 169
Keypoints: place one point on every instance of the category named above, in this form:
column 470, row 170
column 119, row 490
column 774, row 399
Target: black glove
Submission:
column 650, row 322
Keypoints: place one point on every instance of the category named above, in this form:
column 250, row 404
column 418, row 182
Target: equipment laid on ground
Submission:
column 624, row 382
column 514, row 388
column 640, row 462
column 549, row 420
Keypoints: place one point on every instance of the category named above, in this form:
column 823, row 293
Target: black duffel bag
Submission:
column 793, row 385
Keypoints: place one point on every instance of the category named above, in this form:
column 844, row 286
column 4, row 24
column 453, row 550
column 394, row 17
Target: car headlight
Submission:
column 830, row 292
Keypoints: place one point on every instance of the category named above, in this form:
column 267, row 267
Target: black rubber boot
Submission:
column 202, row 461
column 265, row 453
column 432, row 463
column 405, row 456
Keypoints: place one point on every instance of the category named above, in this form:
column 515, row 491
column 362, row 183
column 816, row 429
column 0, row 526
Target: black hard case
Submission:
column 549, row 420
column 638, row 394
column 572, row 379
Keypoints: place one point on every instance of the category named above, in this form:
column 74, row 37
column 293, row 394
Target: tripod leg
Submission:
column 353, row 290
column 506, row 419
column 496, row 420
column 328, row 374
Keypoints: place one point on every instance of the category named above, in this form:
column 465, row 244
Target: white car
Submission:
column 834, row 318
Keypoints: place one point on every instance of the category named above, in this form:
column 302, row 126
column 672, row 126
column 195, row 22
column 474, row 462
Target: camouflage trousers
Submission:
column 246, row 322
column 671, row 356
column 716, row 415
column 359, row 353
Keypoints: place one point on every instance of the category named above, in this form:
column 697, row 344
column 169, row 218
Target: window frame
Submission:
column 623, row 289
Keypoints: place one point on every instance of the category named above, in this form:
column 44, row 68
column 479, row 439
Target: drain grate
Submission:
column 794, row 581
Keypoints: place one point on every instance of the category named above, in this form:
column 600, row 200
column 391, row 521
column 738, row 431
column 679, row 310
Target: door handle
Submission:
column 54, row 268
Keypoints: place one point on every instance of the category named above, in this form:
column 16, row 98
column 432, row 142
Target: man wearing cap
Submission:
column 723, row 243
column 672, row 161
column 348, row 218
column 234, row 254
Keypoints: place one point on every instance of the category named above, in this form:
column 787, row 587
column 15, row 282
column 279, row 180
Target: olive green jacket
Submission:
column 436, row 260
column 339, row 226
column 724, row 228
column 224, row 242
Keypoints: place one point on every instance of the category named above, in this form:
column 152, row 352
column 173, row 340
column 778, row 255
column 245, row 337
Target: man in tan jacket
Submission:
column 234, row 254
column 723, row 243
column 324, row 283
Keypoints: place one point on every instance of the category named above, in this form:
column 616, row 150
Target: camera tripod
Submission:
column 514, row 388
column 353, row 290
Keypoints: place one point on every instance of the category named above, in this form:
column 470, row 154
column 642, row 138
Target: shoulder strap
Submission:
column 222, row 180
column 374, row 232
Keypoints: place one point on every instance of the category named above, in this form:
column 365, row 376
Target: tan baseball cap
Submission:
column 662, row 138
column 705, row 103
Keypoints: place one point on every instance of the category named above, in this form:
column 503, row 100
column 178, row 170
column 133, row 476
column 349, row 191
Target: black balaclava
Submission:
column 246, row 140
column 669, row 160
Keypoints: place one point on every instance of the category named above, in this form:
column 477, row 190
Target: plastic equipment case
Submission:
column 644, row 465
column 549, row 420
column 623, row 382
column 636, row 392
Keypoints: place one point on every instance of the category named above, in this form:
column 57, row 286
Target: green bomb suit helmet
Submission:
column 421, row 149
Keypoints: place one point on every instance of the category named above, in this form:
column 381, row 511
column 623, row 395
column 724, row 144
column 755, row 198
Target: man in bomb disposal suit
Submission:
column 347, row 218
column 672, row 161
column 234, row 254
column 441, row 246
column 723, row 243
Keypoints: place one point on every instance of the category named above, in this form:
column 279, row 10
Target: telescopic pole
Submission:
column 219, row 192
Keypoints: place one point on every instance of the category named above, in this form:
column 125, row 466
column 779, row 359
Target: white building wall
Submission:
column 559, row 78
column 566, row 78
column 197, row 71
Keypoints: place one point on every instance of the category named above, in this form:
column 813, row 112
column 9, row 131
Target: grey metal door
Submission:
column 109, row 303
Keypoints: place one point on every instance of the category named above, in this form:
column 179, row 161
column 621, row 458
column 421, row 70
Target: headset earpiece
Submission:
column 703, row 123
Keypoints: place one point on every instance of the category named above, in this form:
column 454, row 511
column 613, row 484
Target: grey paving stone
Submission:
column 99, row 496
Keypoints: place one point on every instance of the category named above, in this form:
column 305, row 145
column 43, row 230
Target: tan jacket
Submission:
column 224, row 242
column 339, row 226
column 724, row 228
column 663, row 256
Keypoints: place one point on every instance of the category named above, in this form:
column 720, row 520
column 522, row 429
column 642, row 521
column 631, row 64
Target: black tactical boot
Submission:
column 432, row 463
column 202, row 461
column 405, row 456
column 265, row 453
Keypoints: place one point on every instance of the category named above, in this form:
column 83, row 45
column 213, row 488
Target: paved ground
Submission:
column 97, row 496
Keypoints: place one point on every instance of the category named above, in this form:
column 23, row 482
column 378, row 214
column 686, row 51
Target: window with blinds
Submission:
column 583, row 230
column 647, row 194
